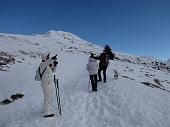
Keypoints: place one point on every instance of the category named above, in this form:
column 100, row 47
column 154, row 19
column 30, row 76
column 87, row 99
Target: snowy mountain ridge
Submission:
column 150, row 58
column 65, row 41
column 138, row 98
column 66, row 36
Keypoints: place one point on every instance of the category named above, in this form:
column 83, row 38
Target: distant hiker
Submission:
column 92, row 68
column 47, row 67
column 103, row 64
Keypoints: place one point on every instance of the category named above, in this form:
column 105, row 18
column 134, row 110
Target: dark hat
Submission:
column 91, row 55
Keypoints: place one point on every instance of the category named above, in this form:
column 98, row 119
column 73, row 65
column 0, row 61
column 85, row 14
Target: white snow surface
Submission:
column 125, row 102
column 168, row 62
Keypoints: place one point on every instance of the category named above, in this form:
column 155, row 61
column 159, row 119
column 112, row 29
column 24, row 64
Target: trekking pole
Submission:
column 89, row 84
column 59, row 97
column 57, row 94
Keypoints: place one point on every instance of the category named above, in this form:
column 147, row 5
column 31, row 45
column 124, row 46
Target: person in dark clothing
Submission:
column 103, row 64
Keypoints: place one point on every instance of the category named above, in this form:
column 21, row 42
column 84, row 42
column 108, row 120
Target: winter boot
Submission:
column 51, row 115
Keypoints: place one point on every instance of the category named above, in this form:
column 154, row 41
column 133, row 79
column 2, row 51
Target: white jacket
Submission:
column 48, row 74
column 92, row 66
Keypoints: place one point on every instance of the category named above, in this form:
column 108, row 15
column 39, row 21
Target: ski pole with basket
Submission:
column 57, row 94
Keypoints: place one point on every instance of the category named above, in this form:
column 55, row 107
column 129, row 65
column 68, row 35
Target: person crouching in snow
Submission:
column 47, row 67
column 92, row 68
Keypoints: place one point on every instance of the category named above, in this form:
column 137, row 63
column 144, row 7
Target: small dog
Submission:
column 116, row 75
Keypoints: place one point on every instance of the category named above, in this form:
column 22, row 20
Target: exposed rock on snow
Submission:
column 5, row 59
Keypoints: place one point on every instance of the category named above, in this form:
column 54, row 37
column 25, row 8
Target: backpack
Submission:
column 38, row 75
column 104, row 59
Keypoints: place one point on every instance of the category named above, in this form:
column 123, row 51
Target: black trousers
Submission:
column 102, row 68
column 93, row 79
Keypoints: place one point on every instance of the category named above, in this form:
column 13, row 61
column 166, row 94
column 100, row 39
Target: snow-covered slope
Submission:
column 168, row 62
column 149, row 58
column 139, row 98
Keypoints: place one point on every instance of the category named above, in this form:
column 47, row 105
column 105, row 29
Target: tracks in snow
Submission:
column 86, row 108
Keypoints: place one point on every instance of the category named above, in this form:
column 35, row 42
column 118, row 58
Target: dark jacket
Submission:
column 104, row 59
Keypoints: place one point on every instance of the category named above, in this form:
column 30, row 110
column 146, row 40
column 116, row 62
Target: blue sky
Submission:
column 137, row 27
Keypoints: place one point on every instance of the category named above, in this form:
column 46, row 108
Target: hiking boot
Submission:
column 99, row 80
column 51, row 115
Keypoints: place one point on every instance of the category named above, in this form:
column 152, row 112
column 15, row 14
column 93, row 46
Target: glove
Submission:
column 55, row 63
column 51, row 65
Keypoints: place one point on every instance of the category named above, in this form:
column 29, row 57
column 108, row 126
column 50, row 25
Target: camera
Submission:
column 55, row 60
column 54, row 57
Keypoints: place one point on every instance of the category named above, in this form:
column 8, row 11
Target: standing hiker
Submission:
column 103, row 64
column 92, row 68
column 47, row 67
